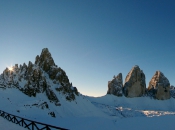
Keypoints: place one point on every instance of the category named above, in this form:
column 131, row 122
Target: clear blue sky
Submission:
column 92, row 40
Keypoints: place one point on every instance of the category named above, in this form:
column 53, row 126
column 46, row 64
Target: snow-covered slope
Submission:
column 92, row 113
column 35, row 108
column 132, row 107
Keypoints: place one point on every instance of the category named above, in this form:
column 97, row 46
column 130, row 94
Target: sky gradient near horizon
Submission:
column 92, row 40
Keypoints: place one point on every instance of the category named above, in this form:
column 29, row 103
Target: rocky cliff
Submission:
column 172, row 91
column 115, row 85
column 135, row 85
column 159, row 86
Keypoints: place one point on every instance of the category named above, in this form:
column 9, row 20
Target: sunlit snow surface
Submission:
column 103, row 113
column 134, row 107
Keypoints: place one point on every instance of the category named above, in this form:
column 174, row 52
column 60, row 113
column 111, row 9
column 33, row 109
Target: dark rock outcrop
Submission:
column 159, row 86
column 51, row 95
column 135, row 85
column 172, row 91
column 115, row 85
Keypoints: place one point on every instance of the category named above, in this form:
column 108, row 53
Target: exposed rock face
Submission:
column 172, row 91
column 115, row 85
column 45, row 61
column 159, row 86
column 135, row 85
column 51, row 95
column 42, row 77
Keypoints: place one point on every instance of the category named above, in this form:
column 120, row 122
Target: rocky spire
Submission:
column 115, row 85
column 37, row 59
column 135, row 85
column 45, row 60
column 172, row 91
column 30, row 65
column 159, row 86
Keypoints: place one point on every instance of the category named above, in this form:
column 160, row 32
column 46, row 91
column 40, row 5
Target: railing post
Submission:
column 32, row 125
column 47, row 128
column 22, row 122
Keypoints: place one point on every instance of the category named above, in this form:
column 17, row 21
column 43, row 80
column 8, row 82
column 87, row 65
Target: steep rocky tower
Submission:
column 135, row 85
column 41, row 77
column 115, row 85
column 159, row 86
column 172, row 91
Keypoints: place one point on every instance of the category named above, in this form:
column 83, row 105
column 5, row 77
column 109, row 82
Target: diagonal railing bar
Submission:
column 26, row 122
column 18, row 121
column 36, row 126
column 5, row 115
column 27, row 126
column 2, row 114
column 11, row 119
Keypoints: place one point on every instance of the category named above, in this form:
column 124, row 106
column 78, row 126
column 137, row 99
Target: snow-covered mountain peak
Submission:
column 41, row 77
column 41, row 90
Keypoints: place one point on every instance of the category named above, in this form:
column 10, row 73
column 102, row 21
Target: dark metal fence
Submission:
column 29, row 124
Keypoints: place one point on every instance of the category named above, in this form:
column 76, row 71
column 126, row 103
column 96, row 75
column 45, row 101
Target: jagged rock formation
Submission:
column 41, row 77
column 135, row 85
column 172, row 91
column 115, row 85
column 159, row 86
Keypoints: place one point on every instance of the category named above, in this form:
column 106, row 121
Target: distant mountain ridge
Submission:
column 44, row 75
column 135, row 85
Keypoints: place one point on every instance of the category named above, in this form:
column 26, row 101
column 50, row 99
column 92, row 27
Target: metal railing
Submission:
column 29, row 124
